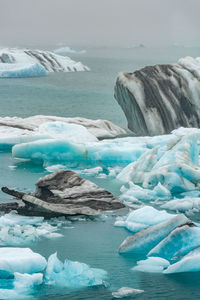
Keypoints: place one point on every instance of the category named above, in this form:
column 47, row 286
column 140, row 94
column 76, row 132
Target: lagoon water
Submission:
column 95, row 242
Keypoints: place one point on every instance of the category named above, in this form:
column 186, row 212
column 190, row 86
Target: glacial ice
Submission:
column 143, row 218
column 69, row 132
column 66, row 49
column 20, row 70
column 72, row 274
column 18, row 230
column 23, row 286
column 175, row 241
column 126, row 292
column 48, row 61
column 103, row 152
column 179, row 242
column 14, row 130
column 21, row 260
column 152, row 265
column 143, row 241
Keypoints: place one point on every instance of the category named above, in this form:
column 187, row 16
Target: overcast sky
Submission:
column 99, row 22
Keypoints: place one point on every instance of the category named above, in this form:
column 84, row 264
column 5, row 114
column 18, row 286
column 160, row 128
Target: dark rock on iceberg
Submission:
column 160, row 98
column 65, row 193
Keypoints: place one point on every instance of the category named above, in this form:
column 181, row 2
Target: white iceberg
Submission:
column 126, row 292
column 143, row 218
column 14, row 130
column 23, row 286
column 66, row 49
column 48, row 61
column 152, row 265
column 18, row 230
column 72, row 274
column 21, row 260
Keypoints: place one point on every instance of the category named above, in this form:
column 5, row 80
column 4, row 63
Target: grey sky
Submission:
column 99, row 22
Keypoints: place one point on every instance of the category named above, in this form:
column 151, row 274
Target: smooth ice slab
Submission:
column 71, row 274
column 142, row 218
column 22, row 260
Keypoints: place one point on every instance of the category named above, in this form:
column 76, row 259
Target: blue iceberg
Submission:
column 72, row 274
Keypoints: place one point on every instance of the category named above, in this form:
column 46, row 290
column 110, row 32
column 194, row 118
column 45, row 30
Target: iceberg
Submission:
column 160, row 98
column 14, row 130
column 20, row 70
column 146, row 239
column 72, row 274
column 126, row 292
column 70, row 132
column 21, row 260
column 23, row 286
column 142, row 218
column 179, row 242
column 20, row 230
column 48, row 61
column 66, row 49
column 152, row 265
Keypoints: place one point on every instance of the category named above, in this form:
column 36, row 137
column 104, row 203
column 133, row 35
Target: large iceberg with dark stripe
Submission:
column 31, row 63
column 160, row 98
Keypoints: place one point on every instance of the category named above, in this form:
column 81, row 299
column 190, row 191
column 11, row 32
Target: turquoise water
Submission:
column 95, row 242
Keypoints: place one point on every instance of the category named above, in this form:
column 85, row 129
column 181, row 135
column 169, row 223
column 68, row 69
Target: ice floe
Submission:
column 21, row 260
column 14, row 59
column 19, row 70
column 171, row 246
column 72, row 274
column 19, row 230
column 143, row 218
column 126, row 292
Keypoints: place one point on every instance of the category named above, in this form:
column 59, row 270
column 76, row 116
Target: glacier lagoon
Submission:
column 98, row 239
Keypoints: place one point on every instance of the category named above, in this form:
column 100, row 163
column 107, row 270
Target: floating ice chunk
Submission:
column 12, row 220
column 152, row 265
column 91, row 171
column 183, row 205
column 104, row 152
column 179, row 242
column 20, row 230
column 26, row 282
column 50, row 61
column 72, row 274
column 126, row 292
column 66, row 49
column 144, row 240
column 144, row 195
column 19, row 70
column 70, row 132
column 143, row 217
column 189, row 263
column 55, row 168
column 135, row 171
column 24, row 285
column 22, row 260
